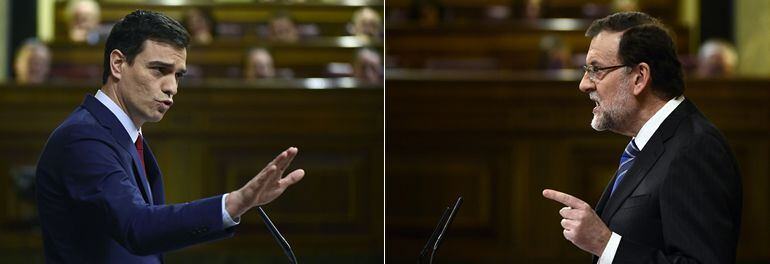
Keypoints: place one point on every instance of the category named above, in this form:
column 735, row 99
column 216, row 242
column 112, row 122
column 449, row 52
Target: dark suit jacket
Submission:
column 681, row 200
column 92, row 207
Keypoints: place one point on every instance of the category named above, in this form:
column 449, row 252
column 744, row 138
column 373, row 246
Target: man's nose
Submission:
column 170, row 87
column 586, row 85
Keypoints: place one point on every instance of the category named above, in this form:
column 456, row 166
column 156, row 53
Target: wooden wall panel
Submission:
column 530, row 133
column 213, row 141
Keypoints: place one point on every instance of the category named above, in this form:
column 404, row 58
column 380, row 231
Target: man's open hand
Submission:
column 267, row 185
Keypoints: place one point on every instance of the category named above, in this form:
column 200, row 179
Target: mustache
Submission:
column 594, row 96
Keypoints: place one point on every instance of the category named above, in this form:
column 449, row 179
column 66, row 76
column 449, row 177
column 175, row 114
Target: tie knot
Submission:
column 631, row 151
column 139, row 144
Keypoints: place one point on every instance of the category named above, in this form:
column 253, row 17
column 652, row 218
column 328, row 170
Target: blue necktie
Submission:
column 626, row 160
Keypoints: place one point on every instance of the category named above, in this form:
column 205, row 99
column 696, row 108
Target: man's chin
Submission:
column 156, row 118
column 597, row 125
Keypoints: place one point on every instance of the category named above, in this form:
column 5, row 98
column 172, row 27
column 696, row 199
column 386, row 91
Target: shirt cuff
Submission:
column 609, row 251
column 228, row 221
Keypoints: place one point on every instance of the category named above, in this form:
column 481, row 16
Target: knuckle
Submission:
column 578, row 216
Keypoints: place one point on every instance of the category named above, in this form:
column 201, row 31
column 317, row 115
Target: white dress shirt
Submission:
column 641, row 139
column 134, row 132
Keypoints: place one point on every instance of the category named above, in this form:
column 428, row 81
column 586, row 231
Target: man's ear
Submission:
column 117, row 63
column 643, row 78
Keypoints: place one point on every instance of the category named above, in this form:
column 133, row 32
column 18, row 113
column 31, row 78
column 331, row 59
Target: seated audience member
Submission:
column 366, row 23
column 716, row 59
column 200, row 23
column 554, row 53
column 533, row 9
column 625, row 6
column 32, row 63
column 599, row 10
column 282, row 28
column 83, row 18
column 426, row 13
column 258, row 65
column 497, row 13
column 368, row 66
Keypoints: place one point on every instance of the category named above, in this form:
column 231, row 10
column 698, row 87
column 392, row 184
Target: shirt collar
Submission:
column 129, row 125
column 649, row 128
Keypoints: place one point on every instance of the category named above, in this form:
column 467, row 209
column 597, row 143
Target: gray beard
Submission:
column 615, row 114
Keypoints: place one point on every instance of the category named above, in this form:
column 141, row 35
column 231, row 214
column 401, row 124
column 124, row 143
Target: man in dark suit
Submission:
column 99, row 188
column 676, row 197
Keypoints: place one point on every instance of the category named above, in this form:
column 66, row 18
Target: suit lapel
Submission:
column 108, row 120
column 605, row 196
column 609, row 205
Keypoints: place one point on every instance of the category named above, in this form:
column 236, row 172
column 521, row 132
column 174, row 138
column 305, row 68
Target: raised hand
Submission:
column 267, row 185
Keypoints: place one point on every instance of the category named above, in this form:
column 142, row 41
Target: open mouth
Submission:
column 594, row 98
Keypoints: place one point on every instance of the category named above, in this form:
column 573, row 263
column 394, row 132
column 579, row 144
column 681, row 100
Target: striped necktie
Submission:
column 626, row 161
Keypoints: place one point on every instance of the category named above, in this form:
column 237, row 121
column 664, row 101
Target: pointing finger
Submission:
column 565, row 199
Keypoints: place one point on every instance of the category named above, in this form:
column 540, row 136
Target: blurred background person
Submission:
column 32, row 63
column 533, row 9
column 716, row 59
column 200, row 23
column 258, row 65
column 366, row 23
column 554, row 53
column 282, row 28
column 83, row 17
column 625, row 6
column 367, row 66
column 426, row 13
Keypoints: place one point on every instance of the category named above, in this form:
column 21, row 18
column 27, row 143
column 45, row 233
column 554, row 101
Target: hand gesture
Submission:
column 582, row 226
column 267, row 185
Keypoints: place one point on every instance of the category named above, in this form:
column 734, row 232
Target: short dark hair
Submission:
column 129, row 34
column 646, row 39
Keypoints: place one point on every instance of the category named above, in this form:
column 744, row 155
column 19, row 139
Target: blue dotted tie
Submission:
column 626, row 160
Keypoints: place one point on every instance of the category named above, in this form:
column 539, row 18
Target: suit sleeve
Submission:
column 700, row 205
column 95, row 178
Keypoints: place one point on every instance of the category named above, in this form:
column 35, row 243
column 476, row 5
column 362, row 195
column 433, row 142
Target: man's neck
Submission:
column 647, row 108
column 111, row 90
column 647, row 112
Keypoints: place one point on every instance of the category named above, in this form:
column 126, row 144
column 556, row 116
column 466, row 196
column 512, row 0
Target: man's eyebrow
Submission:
column 165, row 65
column 160, row 64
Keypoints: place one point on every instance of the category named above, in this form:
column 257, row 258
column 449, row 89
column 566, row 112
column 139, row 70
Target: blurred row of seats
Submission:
column 526, row 35
column 247, row 39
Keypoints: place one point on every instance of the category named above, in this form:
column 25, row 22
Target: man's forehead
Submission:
column 604, row 47
column 163, row 52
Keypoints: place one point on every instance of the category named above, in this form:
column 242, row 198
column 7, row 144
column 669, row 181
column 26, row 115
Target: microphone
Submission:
column 278, row 237
column 439, row 233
